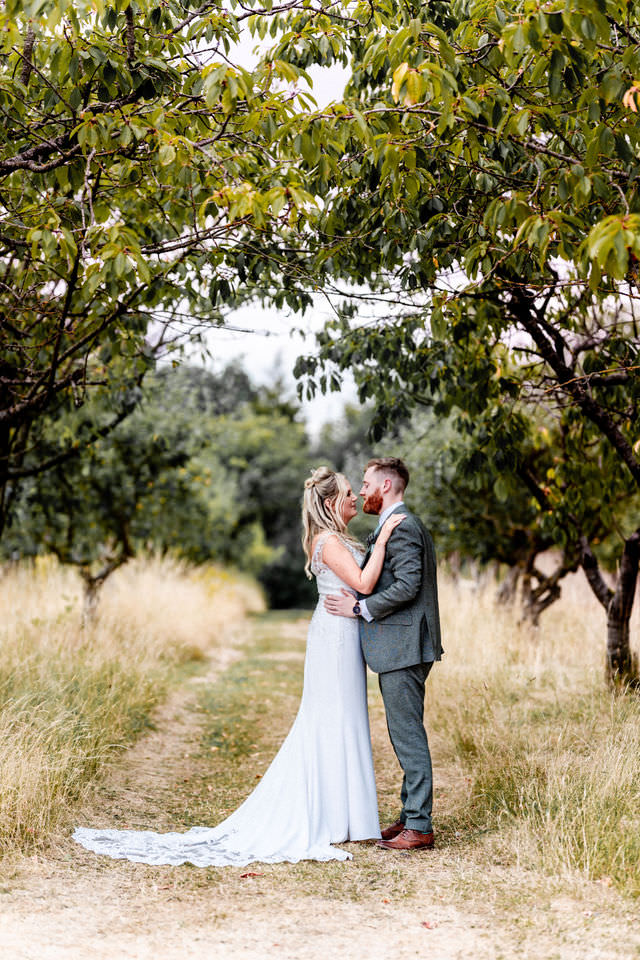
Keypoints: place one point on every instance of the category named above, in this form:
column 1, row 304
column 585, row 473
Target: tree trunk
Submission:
column 536, row 599
column 454, row 563
column 3, row 494
column 622, row 665
column 507, row 590
column 93, row 584
column 90, row 599
column 538, row 595
column 622, row 668
column 5, row 451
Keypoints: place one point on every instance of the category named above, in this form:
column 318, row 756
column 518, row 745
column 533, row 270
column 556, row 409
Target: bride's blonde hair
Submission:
column 325, row 492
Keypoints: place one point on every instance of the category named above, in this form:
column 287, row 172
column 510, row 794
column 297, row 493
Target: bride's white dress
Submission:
column 320, row 788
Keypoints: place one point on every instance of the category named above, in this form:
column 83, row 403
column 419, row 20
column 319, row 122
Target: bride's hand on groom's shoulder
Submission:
column 340, row 605
column 389, row 526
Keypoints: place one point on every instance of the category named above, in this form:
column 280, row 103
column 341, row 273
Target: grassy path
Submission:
column 212, row 740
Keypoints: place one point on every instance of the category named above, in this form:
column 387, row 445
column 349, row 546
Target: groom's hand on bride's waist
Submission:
column 342, row 604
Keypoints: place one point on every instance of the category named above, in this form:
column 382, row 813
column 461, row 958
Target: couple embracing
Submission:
column 378, row 605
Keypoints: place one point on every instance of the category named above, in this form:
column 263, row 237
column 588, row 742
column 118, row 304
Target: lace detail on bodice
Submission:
column 326, row 579
column 317, row 566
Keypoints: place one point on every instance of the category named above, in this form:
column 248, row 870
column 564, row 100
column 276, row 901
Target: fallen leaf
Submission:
column 429, row 924
column 243, row 876
column 385, row 901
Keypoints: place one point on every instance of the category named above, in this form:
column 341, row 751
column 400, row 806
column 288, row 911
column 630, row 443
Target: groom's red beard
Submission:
column 373, row 503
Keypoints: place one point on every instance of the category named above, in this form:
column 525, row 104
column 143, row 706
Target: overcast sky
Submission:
column 265, row 356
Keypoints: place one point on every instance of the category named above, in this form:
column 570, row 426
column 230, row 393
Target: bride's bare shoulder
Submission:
column 321, row 538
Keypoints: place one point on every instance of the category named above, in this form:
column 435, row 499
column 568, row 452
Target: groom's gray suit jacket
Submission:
column 404, row 603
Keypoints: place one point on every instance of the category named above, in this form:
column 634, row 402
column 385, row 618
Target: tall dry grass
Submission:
column 552, row 754
column 71, row 698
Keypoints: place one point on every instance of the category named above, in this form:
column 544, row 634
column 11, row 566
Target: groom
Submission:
column 400, row 638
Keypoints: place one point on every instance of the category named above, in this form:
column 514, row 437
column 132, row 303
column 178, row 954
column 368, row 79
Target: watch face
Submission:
column 356, row 609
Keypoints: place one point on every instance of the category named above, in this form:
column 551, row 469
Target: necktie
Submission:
column 372, row 536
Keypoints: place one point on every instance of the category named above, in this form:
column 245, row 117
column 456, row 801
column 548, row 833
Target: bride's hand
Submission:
column 389, row 526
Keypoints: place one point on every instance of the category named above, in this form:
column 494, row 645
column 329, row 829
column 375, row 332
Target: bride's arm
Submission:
column 339, row 559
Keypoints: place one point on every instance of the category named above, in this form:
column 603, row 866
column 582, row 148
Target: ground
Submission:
column 210, row 743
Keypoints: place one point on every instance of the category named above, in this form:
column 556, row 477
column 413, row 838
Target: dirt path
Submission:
column 455, row 902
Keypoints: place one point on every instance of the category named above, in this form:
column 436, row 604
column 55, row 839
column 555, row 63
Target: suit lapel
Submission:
column 371, row 544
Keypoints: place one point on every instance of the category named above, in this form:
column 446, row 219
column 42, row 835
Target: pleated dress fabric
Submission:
column 320, row 788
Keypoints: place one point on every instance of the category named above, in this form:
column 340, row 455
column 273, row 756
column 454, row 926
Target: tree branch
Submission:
column 71, row 285
column 574, row 387
column 591, row 569
column 93, row 581
column 131, row 35
column 27, row 51
column 530, row 483
column 98, row 434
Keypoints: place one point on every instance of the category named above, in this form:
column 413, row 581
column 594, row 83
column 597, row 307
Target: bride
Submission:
column 320, row 788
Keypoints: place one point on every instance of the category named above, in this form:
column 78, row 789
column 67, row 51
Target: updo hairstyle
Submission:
column 325, row 492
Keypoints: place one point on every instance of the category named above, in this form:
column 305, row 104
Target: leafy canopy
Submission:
column 485, row 184
column 142, row 189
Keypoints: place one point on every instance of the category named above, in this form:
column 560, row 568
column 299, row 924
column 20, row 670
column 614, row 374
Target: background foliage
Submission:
column 470, row 210
column 208, row 467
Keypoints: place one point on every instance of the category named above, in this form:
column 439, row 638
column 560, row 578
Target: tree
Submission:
column 485, row 185
column 478, row 510
column 135, row 487
column 208, row 466
column 138, row 168
column 249, row 443
column 344, row 443
column 264, row 451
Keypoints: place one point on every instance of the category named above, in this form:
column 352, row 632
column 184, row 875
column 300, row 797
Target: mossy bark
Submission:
column 622, row 668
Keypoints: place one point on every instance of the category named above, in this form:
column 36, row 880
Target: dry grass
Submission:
column 536, row 762
column 218, row 732
column 522, row 729
column 551, row 756
column 71, row 698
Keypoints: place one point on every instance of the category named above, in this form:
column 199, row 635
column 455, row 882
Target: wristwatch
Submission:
column 357, row 609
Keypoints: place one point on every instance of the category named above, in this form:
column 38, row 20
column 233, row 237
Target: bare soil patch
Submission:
column 457, row 901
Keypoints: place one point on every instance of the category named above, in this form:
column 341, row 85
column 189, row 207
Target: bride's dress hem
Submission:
column 99, row 841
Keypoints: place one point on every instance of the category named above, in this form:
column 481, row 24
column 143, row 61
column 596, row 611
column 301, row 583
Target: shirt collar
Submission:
column 387, row 513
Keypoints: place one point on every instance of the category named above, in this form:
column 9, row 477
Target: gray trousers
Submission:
column 403, row 697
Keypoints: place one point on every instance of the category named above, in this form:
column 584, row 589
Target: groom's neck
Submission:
column 390, row 502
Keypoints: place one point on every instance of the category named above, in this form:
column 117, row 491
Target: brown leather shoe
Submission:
column 408, row 840
column 392, row 830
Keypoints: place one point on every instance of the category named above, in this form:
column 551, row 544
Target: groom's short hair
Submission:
column 393, row 466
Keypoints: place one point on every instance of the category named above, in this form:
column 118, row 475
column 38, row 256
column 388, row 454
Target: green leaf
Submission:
column 521, row 122
column 166, row 154
column 437, row 324
column 501, row 489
